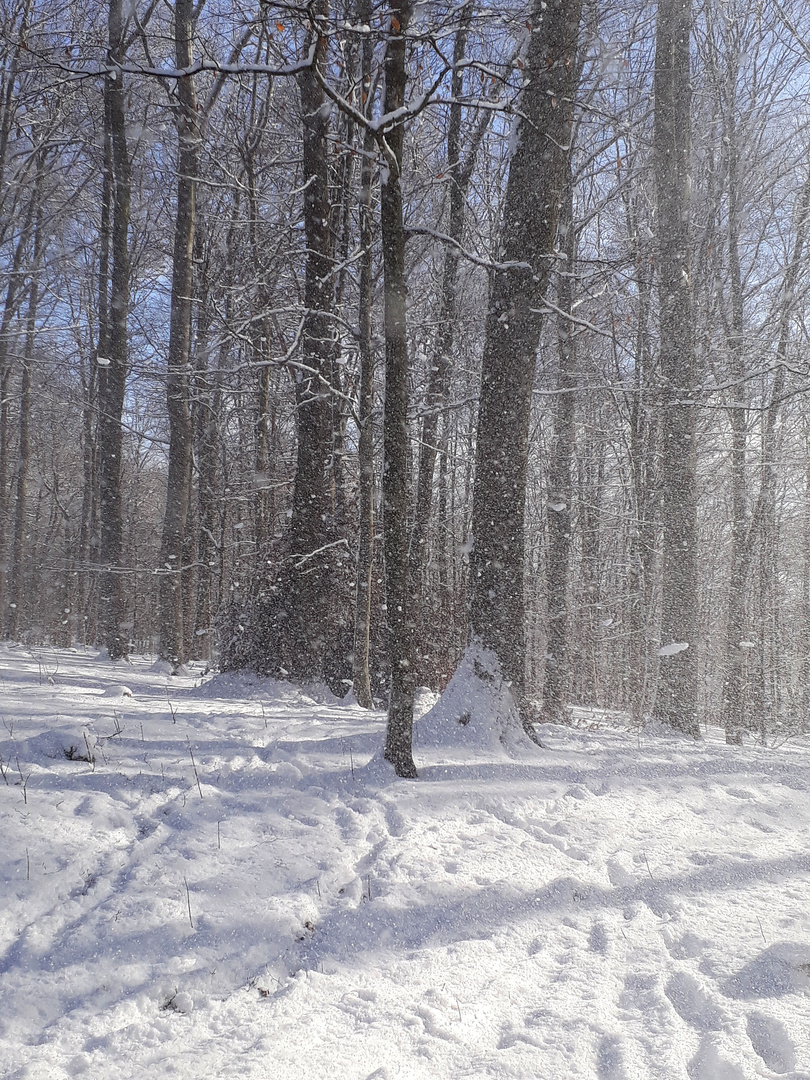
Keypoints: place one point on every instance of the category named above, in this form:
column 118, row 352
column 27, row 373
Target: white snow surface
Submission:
column 229, row 890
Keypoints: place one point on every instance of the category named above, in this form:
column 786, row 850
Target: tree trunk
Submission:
column 299, row 632
column 733, row 685
column 171, row 647
column 399, row 611
column 14, row 297
column 365, row 399
column 518, row 286
column 112, row 383
column 20, row 509
column 560, row 489
column 676, row 703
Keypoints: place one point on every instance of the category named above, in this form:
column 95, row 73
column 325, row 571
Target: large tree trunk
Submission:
column 299, row 639
column 513, row 327
column 171, row 647
column 399, row 608
column 676, row 703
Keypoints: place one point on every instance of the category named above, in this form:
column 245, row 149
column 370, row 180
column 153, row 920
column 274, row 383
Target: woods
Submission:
column 335, row 340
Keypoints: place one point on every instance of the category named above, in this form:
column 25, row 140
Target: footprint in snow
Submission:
column 610, row 1059
column 709, row 1063
column 692, row 1003
column 771, row 1041
column 598, row 939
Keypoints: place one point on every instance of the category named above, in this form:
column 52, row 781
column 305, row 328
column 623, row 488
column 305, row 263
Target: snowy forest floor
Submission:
column 230, row 890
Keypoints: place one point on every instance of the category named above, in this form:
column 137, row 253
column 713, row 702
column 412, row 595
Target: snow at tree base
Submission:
column 237, row 886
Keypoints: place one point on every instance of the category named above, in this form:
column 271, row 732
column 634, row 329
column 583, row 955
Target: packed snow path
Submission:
column 230, row 890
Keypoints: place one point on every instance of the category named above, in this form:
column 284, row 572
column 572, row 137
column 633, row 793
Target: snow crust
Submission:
column 224, row 886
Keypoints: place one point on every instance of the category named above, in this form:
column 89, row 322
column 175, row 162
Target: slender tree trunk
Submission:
column 173, row 547
column 676, row 703
column 518, row 286
column 560, row 488
column 112, row 387
column 734, row 686
column 399, row 609
column 14, row 296
column 365, row 402
column 20, row 509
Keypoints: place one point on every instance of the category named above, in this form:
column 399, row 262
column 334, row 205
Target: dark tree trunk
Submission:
column 173, row 545
column 676, row 703
column 518, row 286
column 399, row 610
column 23, row 448
column 113, row 376
column 296, row 640
column 365, row 400
column 560, row 488
column 14, row 296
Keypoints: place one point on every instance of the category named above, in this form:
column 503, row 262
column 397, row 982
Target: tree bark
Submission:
column 365, row 399
column 171, row 646
column 299, row 636
column 560, row 489
column 23, row 447
column 399, row 610
column 676, row 704
column 518, row 286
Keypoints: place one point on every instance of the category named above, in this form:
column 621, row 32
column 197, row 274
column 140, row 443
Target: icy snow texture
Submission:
column 614, row 907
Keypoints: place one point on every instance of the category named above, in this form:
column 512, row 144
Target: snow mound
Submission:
column 163, row 667
column 476, row 710
column 117, row 691
column 45, row 747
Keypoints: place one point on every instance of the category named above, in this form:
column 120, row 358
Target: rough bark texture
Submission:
column 23, row 447
column 365, row 403
column 513, row 327
column 559, row 508
column 395, row 421
column 172, row 550
column 113, row 374
column 294, row 616
column 676, row 703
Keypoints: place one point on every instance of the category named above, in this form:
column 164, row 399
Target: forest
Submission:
column 343, row 342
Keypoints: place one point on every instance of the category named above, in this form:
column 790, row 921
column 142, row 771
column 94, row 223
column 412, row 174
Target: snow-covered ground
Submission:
column 229, row 890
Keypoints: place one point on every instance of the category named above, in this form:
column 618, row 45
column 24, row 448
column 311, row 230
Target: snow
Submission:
column 230, row 889
column 673, row 649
